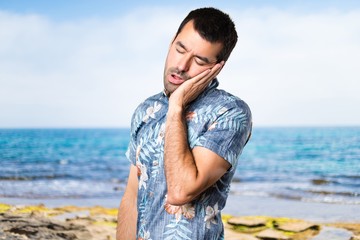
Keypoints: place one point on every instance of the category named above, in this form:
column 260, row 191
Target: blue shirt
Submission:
column 217, row 121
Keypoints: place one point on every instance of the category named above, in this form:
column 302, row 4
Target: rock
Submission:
column 104, row 218
column 30, row 226
column 72, row 215
column 320, row 182
column 11, row 236
column 239, row 236
column 298, row 226
column 270, row 234
column 247, row 221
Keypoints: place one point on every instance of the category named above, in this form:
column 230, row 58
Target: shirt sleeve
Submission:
column 131, row 151
column 135, row 125
column 228, row 134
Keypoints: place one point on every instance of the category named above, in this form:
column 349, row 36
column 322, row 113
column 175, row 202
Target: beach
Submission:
column 236, row 205
column 96, row 218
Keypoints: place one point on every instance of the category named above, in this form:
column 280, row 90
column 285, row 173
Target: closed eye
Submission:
column 200, row 62
column 180, row 50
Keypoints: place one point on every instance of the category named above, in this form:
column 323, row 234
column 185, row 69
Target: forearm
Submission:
column 180, row 167
column 127, row 215
column 127, row 218
column 187, row 171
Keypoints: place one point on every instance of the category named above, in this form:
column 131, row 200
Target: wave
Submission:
column 298, row 191
column 316, row 198
column 60, row 188
column 33, row 178
column 344, row 181
column 322, row 192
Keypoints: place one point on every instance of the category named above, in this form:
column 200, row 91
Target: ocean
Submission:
column 308, row 164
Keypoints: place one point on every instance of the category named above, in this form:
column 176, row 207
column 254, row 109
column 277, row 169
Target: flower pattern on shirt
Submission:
column 146, row 236
column 212, row 126
column 161, row 135
column 142, row 173
column 216, row 120
column 150, row 111
column 211, row 212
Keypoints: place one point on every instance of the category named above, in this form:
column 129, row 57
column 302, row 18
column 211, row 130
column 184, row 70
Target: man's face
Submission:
column 189, row 54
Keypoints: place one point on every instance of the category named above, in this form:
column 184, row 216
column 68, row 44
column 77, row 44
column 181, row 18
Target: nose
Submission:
column 184, row 62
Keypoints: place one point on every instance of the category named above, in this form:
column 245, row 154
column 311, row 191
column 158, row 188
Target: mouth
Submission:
column 175, row 79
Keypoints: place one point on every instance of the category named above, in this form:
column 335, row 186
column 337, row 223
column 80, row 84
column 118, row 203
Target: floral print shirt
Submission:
column 217, row 121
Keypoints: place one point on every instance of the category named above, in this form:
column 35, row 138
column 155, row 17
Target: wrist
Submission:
column 176, row 109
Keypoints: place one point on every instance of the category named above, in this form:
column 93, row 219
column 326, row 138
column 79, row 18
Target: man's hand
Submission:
column 188, row 171
column 191, row 88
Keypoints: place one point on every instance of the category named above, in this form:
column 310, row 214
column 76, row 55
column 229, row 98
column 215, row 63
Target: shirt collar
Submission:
column 213, row 84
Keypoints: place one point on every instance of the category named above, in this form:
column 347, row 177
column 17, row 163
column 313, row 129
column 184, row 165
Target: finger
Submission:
column 213, row 73
column 209, row 74
column 201, row 75
column 206, row 76
column 216, row 69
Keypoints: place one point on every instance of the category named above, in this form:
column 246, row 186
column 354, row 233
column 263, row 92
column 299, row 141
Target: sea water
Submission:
column 312, row 164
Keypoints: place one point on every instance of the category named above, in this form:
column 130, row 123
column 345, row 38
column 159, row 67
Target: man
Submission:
column 185, row 141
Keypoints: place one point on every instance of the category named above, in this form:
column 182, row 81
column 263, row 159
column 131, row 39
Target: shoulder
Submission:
column 222, row 101
column 145, row 109
column 148, row 102
column 232, row 101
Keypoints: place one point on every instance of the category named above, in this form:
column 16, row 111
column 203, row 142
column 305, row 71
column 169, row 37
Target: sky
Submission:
column 86, row 63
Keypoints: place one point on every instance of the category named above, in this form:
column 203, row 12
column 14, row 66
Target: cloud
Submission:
column 292, row 68
column 90, row 72
column 298, row 69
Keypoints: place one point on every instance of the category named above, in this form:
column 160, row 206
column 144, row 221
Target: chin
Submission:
column 169, row 87
column 169, row 90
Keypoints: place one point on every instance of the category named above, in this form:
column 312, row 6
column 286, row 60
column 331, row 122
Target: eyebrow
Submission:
column 205, row 59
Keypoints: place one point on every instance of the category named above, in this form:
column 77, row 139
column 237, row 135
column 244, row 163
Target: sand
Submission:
column 96, row 219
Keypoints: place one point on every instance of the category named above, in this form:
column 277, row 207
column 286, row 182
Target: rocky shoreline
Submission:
column 99, row 223
column 63, row 223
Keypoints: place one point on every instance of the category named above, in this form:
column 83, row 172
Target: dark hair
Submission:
column 214, row 26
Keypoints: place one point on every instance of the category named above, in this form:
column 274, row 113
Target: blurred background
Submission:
column 72, row 73
column 89, row 63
